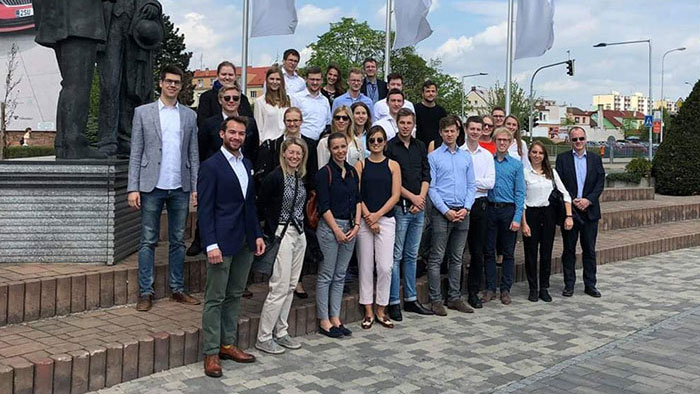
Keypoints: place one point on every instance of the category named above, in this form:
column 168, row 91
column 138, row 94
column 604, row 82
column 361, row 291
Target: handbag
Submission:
column 312, row 215
column 263, row 264
column 556, row 200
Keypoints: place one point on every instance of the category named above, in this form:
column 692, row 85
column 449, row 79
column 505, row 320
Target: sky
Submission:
column 469, row 36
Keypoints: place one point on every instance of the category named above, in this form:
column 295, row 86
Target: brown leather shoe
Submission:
column 438, row 308
column 460, row 306
column 505, row 297
column 145, row 303
column 231, row 352
column 212, row 366
column 488, row 296
column 185, row 298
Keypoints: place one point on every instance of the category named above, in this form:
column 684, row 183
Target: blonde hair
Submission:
column 280, row 97
column 350, row 132
column 289, row 141
column 499, row 131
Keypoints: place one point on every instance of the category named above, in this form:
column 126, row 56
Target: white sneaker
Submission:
column 269, row 346
column 288, row 342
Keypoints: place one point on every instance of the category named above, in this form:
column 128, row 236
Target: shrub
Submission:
column 676, row 165
column 14, row 152
column 640, row 166
column 630, row 177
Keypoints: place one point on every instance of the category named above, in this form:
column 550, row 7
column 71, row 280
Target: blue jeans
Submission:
column 500, row 237
column 177, row 203
column 331, row 271
column 409, row 230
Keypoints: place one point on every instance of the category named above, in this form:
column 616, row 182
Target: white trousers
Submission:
column 376, row 249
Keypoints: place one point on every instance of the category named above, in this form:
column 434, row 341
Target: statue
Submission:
column 73, row 28
column 125, row 67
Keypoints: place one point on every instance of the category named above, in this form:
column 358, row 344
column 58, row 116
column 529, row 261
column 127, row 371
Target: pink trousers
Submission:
column 376, row 250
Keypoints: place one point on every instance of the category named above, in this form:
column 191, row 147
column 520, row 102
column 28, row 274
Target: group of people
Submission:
column 364, row 174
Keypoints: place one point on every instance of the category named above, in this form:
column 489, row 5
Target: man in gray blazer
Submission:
column 163, row 168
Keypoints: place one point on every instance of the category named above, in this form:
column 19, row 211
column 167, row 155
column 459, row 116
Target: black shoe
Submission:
column 395, row 312
column 544, row 295
column 194, row 249
column 592, row 291
column 334, row 332
column 247, row 293
column 567, row 292
column 344, row 330
column 475, row 301
column 533, row 296
column 416, row 307
column 303, row 295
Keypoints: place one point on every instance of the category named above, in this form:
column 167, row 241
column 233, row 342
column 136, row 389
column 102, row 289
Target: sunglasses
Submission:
column 487, row 126
column 377, row 140
column 231, row 98
column 341, row 117
column 578, row 139
column 293, row 120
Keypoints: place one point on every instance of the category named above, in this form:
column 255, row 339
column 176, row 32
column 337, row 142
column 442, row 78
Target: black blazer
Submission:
column 270, row 200
column 209, row 106
column 592, row 187
column 381, row 86
column 210, row 141
column 225, row 216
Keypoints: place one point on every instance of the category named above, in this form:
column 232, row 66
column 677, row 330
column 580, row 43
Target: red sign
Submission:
column 657, row 127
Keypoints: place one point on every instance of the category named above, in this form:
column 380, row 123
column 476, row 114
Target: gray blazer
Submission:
column 146, row 143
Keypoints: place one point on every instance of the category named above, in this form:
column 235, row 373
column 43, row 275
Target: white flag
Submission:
column 273, row 18
column 412, row 26
column 534, row 34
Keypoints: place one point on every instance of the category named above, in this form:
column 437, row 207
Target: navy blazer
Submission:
column 592, row 186
column 225, row 217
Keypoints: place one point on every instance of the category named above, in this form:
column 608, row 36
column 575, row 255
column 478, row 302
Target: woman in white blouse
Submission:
column 269, row 108
column 518, row 148
column 341, row 122
column 539, row 220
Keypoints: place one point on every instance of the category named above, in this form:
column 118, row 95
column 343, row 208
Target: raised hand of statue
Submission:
column 150, row 11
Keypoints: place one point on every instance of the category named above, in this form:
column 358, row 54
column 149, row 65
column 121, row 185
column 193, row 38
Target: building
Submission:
column 477, row 101
column 204, row 79
column 671, row 106
column 618, row 102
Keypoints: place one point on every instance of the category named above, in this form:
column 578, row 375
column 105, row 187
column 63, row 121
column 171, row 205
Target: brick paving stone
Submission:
column 23, row 376
column 43, row 375
column 48, row 297
column 6, row 378
column 62, row 365
column 80, row 374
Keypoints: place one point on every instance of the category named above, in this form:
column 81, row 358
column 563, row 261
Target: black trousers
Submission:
column 476, row 241
column 311, row 163
column 588, row 231
column 542, row 226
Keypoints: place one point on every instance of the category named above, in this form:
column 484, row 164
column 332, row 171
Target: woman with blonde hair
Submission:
column 342, row 122
column 270, row 107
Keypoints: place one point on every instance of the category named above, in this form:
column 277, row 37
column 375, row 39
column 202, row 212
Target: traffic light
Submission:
column 570, row 67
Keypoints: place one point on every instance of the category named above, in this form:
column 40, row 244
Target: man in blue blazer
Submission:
column 583, row 176
column 230, row 234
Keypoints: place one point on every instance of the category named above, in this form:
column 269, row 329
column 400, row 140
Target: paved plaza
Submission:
column 643, row 336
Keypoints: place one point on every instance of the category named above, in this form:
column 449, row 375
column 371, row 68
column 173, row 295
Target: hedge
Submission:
column 14, row 152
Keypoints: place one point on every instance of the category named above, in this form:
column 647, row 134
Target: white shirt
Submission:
column 236, row 163
column 389, row 125
column 513, row 152
column 316, row 113
column 381, row 109
column 355, row 153
column 270, row 119
column 484, row 169
column 538, row 188
column 293, row 83
column 169, row 177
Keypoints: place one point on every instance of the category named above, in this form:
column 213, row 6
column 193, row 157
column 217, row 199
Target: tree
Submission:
column 173, row 51
column 677, row 160
column 8, row 105
column 519, row 101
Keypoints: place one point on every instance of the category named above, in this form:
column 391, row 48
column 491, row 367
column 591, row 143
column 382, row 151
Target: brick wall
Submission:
column 38, row 137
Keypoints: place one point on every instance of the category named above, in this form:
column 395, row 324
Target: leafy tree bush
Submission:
column 640, row 166
column 631, row 177
column 14, row 152
column 676, row 165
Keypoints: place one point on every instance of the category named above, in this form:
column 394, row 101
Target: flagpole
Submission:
column 244, row 51
column 387, row 40
column 509, row 56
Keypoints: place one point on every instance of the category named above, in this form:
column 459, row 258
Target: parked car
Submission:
column 16, row 15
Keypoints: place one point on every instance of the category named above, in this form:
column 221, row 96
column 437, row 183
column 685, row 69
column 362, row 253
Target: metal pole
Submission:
column 244, row 51
column 662, row 98
column 387, row 41
column 509, row 56
column 462, row 106
column 532, row 98
column 651, row 134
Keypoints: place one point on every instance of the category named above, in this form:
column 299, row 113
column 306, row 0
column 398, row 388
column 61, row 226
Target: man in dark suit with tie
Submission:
column 230, row 234
column 372, row 87
column 583, row 176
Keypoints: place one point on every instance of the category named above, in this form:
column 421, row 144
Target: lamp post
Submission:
column 662, row 101
column 606, row 44
column 467, row 76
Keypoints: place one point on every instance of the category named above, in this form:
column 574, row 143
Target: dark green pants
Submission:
column 222, row 300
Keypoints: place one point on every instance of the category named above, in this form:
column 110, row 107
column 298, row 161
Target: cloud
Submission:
column 457, row 47
column 198, row 31
column 310, row 15
column 305, row 55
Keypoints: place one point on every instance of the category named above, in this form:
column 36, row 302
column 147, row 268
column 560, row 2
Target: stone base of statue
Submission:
column 66, row 212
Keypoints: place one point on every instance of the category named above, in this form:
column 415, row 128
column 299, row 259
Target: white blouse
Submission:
column 270, row 119
column 355, row 152
column 538, row 188
column 513, row 151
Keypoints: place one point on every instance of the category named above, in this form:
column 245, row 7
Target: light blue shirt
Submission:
column 236, row 163
column 170, row 177
column 452, row 181
column 347, row 100
column 372, row 91
column 510, row 184
column 581, row 165
column 316, row 113
column 293, row 83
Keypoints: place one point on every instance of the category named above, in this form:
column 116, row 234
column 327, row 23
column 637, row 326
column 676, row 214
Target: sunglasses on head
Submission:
column 377, row 140
column 341, row 117
column 231, row 98
column 578, row 139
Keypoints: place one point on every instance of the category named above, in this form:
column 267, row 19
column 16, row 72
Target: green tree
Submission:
column 173, row 51
column 519, row 101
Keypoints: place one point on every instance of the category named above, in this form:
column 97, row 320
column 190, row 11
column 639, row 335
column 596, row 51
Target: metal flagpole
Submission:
column 387, row 40
column 244, row 51
column 509, row 55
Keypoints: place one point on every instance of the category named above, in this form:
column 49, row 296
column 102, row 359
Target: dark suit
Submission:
column 228, row 218
column 209, row 105
column 585, row 222
column 210, row 140
column 381, row 87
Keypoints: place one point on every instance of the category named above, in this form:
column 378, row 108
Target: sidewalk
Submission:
column 642, row 336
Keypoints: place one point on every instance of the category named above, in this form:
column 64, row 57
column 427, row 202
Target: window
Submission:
column 577, row 119
column 253, row 94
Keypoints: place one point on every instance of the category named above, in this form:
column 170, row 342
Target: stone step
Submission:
column 627, row 194
column 101, row 348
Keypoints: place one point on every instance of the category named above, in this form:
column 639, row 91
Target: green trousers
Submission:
column 222, row 299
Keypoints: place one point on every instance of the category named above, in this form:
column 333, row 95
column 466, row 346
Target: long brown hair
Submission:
column 546, row 167
column 516, row 135
column 277, row 98
column 339, row 85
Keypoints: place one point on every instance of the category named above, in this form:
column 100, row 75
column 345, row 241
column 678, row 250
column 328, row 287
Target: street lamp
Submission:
column 606, row 44
column 467, row 76
column 663, row 102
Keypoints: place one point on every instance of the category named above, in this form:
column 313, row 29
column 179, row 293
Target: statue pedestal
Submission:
column 66, row 212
